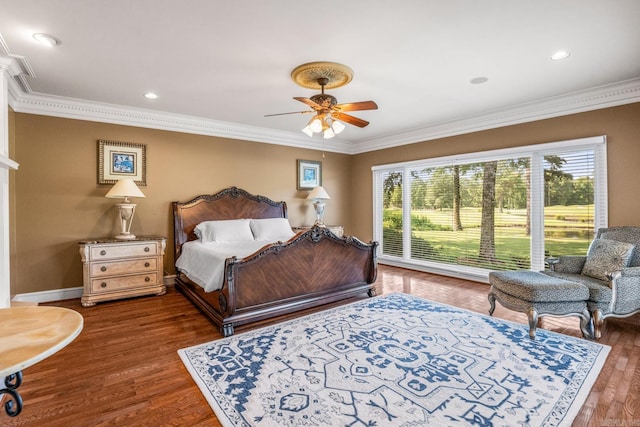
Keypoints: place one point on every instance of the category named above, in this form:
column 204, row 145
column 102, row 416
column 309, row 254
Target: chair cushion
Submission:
column 537, row 287
column 606, row 256
column 599, row 290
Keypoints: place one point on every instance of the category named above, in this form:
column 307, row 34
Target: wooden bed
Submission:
column 314, row 267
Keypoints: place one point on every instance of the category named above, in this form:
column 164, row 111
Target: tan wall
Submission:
column 58, row 201
column 621, row 125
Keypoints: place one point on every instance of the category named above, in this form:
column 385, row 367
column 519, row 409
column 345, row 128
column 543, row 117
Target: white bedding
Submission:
column 203, row 263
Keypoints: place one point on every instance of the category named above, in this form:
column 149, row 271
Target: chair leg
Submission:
column 597, row 323
column 492, row 303
column 532, row 314
column 586, row 324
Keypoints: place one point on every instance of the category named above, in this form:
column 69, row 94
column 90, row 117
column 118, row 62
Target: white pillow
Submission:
column 271, row 229
column 233, row 230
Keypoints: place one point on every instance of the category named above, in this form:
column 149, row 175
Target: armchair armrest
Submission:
column 567, row 263
column 630, row 272
column 625, row 272
column 625, row 286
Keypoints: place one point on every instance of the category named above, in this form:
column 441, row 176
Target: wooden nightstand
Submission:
column 114, row 269
column 335, row 229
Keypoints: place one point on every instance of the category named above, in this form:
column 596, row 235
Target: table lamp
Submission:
column 319, row 194
column 125, row 188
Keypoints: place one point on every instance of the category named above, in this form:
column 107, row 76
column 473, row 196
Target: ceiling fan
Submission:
column 329, row 114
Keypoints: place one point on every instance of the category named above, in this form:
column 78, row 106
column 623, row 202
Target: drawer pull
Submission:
column 146, row 249
column 146, row 264
column 103, row 252
column 103, row 284
column 147, row 279
column 103, row 268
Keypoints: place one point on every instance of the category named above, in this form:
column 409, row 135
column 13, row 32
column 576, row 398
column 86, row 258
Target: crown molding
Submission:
column 621, row 93
column 625, row 92
column 10, row 66
column 17, row 66
column 71, row 108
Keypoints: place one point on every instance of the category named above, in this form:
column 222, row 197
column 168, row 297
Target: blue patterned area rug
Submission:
column 396, row 360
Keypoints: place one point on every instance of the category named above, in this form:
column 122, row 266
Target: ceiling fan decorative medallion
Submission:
column 329, row 115
column 307, row 75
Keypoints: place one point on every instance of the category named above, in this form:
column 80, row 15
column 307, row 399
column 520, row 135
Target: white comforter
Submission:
column 203, row 263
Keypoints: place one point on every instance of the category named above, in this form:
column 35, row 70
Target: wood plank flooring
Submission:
column 124, row 369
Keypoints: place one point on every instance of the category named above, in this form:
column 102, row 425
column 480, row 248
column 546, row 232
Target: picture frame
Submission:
column 117, row 160
column 309, row 174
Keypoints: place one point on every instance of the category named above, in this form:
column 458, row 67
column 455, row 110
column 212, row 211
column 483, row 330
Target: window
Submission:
column 498, row 210
column 392, row 214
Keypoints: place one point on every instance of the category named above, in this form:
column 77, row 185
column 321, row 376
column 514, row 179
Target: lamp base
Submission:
column 125, row 213
column 319, row 206
column 127, row 236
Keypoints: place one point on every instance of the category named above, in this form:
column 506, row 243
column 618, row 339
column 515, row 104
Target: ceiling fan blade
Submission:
column 349, row 119
column 309, row 102
column 356, row 106
column 294, row 112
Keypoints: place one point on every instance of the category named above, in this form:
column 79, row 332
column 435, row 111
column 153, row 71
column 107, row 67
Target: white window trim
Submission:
column 597, row 143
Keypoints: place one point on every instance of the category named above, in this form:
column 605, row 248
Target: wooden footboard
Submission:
column 313, row 268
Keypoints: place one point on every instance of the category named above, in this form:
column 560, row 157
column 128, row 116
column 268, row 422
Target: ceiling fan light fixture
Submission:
column 326, row 124
column 337, row 126
column 326, row 75
column 307, row 130
column 329, row 133
column 316, row 124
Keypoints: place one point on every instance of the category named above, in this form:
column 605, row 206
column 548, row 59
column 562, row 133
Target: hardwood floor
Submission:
column 124, row 369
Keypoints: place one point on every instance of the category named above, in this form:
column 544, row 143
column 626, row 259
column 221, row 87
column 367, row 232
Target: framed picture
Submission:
column 117, row 160
column 309, row 174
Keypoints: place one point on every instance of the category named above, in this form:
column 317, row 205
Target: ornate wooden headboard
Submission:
column 230, row 203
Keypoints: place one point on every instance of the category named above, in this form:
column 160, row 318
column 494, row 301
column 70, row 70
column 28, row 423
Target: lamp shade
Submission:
column 328, row 133
column 124, row 188
column 337, row 126
column 318, row 193
column 316, row 124
column 307, row 130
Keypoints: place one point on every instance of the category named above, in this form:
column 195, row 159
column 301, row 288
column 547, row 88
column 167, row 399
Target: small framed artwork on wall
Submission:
column 309, row 174
column 117, row 160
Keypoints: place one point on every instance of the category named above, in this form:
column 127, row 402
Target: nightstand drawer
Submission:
column 113, row 268
column 115, row 283
column 123, row 251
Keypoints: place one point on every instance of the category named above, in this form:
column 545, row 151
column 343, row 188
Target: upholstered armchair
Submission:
column 611, row 271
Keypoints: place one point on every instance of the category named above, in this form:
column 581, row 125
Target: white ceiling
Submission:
column 219, row 66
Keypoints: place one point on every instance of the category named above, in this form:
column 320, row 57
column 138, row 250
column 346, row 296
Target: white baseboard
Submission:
column 461, row 272
column 67, row 293
column 48, row 296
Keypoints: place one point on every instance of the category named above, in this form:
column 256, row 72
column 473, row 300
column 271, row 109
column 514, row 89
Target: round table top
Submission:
column 32, row 333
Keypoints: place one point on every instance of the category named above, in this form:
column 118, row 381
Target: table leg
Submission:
column 13, row 406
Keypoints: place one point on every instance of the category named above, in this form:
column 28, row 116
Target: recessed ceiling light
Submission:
column 561, row 54
column 46, row 39
column 150, row 95
column 478, row 80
